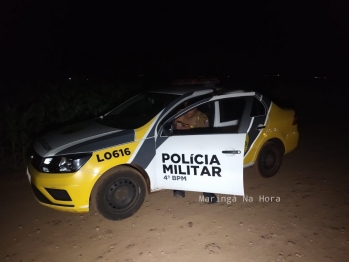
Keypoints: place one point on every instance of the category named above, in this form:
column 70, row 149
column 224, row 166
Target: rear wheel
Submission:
column 269, row 159
column 119, row 193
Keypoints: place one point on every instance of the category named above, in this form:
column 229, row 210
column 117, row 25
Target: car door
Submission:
column 204, row 159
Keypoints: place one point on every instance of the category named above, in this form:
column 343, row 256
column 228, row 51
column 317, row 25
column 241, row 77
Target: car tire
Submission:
column 269, row 159
column 119, row 193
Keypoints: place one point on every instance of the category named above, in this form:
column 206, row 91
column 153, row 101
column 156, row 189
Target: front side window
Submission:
column 182, row 107
column 137, row 111
column 190, row 119
column 201, row 116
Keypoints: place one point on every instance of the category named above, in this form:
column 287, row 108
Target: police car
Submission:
column 111, row 162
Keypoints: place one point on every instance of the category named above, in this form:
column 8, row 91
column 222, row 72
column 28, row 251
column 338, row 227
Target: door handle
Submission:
column 259, row 127
column 231, row 152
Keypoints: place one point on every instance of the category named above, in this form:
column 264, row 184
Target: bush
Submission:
column 32, row 110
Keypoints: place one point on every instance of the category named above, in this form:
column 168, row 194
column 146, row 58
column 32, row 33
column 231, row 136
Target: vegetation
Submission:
column 33, row 109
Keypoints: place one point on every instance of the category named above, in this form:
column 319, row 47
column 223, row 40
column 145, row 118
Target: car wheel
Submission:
column 119, row 193
column 269, row 159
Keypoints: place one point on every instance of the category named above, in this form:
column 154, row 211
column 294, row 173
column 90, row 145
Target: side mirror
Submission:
column 167, row 129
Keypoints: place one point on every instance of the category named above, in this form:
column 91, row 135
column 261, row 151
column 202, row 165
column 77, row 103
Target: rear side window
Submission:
column 258, row 108
column 231, row 109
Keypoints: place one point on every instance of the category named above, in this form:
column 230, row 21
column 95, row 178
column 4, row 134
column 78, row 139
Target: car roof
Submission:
column 181, row 89
column 184, row 89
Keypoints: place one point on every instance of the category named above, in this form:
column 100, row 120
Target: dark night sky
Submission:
column 60, row 38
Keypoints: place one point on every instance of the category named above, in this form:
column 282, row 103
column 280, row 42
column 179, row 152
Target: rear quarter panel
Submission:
column 280, row 126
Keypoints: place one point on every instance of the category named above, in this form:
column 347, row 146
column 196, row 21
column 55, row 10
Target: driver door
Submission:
column 203, row 159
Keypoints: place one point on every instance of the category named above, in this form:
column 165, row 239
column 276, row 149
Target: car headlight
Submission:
column 64, row 164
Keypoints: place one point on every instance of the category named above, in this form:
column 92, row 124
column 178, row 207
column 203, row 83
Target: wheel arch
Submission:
column 144, row 174
column 277, row 141
column 262, row 143
column 135, row 167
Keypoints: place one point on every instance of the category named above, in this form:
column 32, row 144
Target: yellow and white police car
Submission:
column 113, row 161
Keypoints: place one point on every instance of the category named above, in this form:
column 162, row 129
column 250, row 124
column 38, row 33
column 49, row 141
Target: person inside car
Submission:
column 192, row 119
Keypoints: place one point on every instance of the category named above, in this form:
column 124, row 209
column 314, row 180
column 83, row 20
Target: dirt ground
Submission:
column 309, row 223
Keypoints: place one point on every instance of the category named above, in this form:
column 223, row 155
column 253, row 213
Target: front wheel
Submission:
column 119, row 193
column 269, row 159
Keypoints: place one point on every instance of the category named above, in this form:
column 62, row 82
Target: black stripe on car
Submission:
column 99, row 143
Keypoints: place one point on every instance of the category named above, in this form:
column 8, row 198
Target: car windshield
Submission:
column 137, row 111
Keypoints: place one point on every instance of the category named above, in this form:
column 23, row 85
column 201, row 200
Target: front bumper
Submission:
column 65, row 192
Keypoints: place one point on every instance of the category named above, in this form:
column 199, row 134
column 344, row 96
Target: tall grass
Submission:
column 31, row 110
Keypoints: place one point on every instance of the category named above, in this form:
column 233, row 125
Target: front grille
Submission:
column 36, row 160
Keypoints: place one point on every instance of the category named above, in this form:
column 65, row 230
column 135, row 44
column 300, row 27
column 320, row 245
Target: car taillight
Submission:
column 295, row 120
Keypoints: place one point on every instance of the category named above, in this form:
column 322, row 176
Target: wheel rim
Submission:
column 121, row 195
column 270, row 160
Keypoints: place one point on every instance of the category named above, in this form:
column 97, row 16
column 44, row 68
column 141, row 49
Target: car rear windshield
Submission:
column 137, row 111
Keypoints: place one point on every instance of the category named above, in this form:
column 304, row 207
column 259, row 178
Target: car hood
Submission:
column 83, row 137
